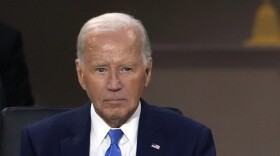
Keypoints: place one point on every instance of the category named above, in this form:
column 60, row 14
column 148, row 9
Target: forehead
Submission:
column 122, row 37
column 121, row 43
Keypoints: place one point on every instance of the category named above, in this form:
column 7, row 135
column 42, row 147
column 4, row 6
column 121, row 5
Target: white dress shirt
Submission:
column 100, row 141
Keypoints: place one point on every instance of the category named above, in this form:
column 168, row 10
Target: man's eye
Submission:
column 126, row 69
column 101, row 70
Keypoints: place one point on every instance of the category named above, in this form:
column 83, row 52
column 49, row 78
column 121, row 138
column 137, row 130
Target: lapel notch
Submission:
column 77, row 143
column 151, row 141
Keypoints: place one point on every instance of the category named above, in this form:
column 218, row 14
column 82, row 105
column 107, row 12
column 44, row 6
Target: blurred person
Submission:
column 15, row 88
column 114, row 65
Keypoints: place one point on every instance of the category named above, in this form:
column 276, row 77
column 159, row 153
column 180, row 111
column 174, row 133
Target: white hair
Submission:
column 112, row 22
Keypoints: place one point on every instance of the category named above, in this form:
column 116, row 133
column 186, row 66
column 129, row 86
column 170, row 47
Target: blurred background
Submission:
column 216, row 60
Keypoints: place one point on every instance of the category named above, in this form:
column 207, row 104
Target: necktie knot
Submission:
column 114, row 149
column 115, row 135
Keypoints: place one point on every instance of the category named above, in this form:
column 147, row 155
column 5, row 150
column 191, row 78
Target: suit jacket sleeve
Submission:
column 205, row 146
column 26, row 148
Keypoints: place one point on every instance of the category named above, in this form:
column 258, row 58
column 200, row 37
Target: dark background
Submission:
column 200, row 63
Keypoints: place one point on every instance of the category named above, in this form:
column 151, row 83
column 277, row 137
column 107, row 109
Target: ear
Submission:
column 80, row 74
column 148, row 72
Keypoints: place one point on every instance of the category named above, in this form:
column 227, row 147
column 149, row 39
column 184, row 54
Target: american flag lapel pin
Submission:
column 156, row 146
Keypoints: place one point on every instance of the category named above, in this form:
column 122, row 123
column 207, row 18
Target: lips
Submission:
column 114, row 100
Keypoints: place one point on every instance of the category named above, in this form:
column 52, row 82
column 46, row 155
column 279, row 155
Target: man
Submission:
column 14, row 83
column 114, row 66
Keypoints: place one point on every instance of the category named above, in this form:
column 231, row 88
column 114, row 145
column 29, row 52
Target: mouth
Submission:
column 114, row 101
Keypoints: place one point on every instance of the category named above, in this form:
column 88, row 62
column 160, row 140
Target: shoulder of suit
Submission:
column 174, row 119
column 61, row 119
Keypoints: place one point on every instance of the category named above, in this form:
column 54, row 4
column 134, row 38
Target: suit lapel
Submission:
column 79, row 134
column 150, row 140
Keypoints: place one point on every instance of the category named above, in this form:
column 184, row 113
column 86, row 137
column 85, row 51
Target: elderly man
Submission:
column 114, row 66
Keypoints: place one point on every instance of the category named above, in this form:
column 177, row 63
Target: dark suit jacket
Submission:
column 14, row 83
column 68, row 134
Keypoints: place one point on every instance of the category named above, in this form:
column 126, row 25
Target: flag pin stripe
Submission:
column 155, row 146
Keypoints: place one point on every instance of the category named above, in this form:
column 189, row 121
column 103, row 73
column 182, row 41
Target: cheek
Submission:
column 93, row 86
column 135, row 84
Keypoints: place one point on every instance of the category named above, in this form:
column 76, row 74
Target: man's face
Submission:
column 113, row 74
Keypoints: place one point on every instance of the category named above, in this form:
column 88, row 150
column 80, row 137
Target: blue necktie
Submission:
column 114, row 149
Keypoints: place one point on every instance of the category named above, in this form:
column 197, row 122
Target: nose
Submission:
column 114, row 83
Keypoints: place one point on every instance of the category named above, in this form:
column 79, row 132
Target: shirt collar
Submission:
column 99, row 128
column 130, row 127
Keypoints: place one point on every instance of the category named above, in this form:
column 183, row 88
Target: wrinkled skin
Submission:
column 113, row 74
